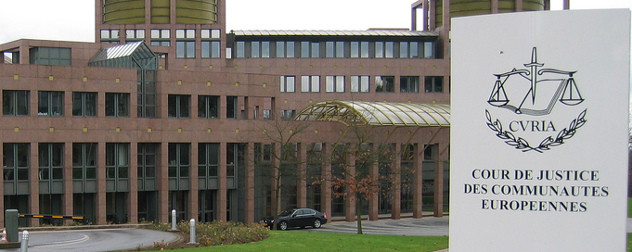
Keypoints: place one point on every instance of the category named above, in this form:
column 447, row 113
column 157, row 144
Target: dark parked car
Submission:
column 298, row 217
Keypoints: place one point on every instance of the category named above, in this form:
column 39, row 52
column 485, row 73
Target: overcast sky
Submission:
column 73, row 20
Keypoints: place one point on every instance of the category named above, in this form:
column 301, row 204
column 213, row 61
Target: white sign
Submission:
column 539, row 133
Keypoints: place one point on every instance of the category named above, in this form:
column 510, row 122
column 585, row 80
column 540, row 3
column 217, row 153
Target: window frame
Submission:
column 117, row 104
column 84, row 104
column 51, row 97
column 179, row 106
column 408, row 86
column 15, row 102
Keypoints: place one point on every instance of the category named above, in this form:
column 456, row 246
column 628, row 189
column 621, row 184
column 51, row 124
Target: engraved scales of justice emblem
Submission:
column 533, row 92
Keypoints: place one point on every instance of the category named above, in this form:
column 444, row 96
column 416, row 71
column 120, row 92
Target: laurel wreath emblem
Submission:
column 546, row 144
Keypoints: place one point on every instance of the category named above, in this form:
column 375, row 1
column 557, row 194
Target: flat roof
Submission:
column 386, row 33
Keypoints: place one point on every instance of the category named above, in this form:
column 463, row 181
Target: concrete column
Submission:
column 438, row 189
column 396, row 179
column 275, row 180
column 68, row 190
column 494, row 6
column 222, row 183
column 418, row 182
column 34, row 181
column 164, row 213
column 193, row 182
column 350, row 196
column 249, row 206
column 326, row 179
column 374, row 203
column 301, row 183
column 132, row 199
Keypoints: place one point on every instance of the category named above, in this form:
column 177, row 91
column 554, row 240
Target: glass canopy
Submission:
column 378, row 113
column 130, row 55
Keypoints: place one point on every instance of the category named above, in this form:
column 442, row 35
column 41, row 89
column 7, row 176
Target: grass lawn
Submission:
column 308, row 241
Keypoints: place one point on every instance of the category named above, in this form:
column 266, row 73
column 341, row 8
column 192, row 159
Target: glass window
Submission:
column 84, row 104
column 364, row 49
column 179, row 106
column 290, row 49
column 359, row 84
column 315, row 50
column 254, row 49
column 241, row 49
column 117, row 104
column 265, row 49
column 231, row 107
column 355, row 49
column 310, row 84
column 51, row 56
column 329, row 49
column 110, row 36
column 379, row 49
column 51, row 161
column 335, row 84
column 389, row 49
column 147, row 156
column 15, row 102
column 408, row 50
column 179, row 160
column 409, row 84
column 16, row 161
column 50, row 103
column 429, row 50
column 359, row 49
column 280, row 49
column 134, row 35
column 340, row 49
column 287, row 84
column 84, row 160
column 161, row 37
column 208, row 159
column 433, row 84
column 211, row 49
column 403, row 49
column 305, row 50
column 210, row 33
column 117, row 160
column 185, row 44
column 384, row 84
column 288, row 114
column 208, row 106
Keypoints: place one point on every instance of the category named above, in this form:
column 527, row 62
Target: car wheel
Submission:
column 317, row 223
column 283, row 225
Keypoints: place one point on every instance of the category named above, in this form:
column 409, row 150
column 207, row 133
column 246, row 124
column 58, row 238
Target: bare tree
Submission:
column 282, row 137
column 358, row 176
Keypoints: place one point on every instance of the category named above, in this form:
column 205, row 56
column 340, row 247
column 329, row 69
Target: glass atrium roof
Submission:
column 130, row 55
column 378, row 113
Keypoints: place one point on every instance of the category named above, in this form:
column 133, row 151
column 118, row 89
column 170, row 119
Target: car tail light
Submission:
column 325, row 214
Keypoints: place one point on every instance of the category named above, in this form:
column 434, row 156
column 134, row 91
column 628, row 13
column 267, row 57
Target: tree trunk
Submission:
column 359, row 212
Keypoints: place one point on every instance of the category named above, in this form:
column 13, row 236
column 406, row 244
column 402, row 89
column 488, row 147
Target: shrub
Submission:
column 225, row 233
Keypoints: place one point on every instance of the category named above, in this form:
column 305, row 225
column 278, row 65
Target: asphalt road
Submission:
column 94, row 240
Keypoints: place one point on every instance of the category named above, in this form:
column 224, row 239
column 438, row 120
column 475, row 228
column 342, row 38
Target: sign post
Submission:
column 539, row 133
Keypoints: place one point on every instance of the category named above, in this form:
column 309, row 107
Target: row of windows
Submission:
column 185, row 40
column 16, row 163
column 84, row 104
column 362, row 84
column 51, row 103
column 113, row 36
column 335, row 49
